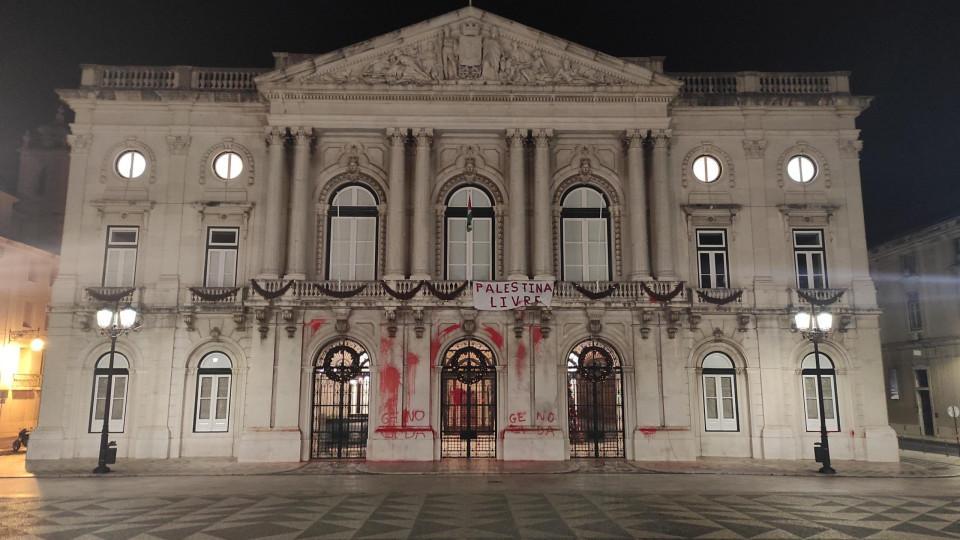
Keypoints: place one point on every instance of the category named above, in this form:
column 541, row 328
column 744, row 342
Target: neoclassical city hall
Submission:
column 465, row 239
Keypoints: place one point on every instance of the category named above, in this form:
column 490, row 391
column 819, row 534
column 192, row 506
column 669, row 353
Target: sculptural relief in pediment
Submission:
column 464, row 52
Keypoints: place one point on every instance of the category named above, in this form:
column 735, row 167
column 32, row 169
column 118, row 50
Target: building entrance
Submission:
column 341, row 391
column 595, row 401
column 468, row 401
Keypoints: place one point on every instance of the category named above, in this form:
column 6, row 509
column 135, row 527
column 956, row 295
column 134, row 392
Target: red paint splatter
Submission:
column 495, row 336
column 521, row 359
column 389, row 388
column 537, row 334
column 648, row 431
column 412, row 361
column 386, row 344
column 315, row 325
column 435, row 342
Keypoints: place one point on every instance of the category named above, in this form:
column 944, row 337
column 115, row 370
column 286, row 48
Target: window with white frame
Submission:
column 117, row 401
column 221, row 261
column 810, row 258
column 712, row 258
column 120, row 260
column 214, row 375
column 719, row 393
column 352, row 237
column 914, row 316
column 585, row 229
column 469, row 234
column 811, row 404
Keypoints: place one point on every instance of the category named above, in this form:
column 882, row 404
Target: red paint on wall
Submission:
column 386, row 345
column 435, row 342
column 412, row 361
column 521, row 359
column 315, row 325
column 537, row 334
column 648, row 431
column 495, row 336
column 389, row 388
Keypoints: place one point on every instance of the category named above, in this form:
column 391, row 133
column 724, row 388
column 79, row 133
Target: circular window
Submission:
column 801, row 169
column 131, row 164
column 228, row 165
column 706, row 168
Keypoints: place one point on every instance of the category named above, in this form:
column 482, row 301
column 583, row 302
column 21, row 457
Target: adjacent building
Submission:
column 917, row 288
column 463, row 239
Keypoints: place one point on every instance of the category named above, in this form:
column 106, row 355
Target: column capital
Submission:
column 754, row 148
column 397, row 136
column 424, row 136
column 515, row 136
column 301, row 135
column 275, row 135
column 850, row 148
column 635, row 137
column 661, row 138
column 541, row 137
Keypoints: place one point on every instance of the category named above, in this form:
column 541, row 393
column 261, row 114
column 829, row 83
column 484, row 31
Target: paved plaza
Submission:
column 602, row 503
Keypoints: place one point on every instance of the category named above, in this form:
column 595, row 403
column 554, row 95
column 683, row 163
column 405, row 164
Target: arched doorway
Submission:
column 341, row 401
column 468, row 401
column 595, row 401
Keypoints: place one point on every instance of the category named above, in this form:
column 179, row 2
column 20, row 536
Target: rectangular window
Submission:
column 811, row 404
column 914, row 318
column 712, row 258
column 720, row 402
column 810, row 259
column 28, row 315
column 118, row 403
column 893, row 384
column 353, row 246
column 221, row 260
column 908, row 264
column 585, row 251
column 213, row 402
column 120, row 262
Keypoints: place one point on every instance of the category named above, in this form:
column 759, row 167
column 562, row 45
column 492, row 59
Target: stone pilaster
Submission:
column 273, row 239
column 300, row 199
column 542, row 227
column 422, row 226
column 637, row 237
column 396, row 211
column 663, row 208
column 517, row 207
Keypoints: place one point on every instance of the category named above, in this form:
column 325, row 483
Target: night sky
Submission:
column 906, row 54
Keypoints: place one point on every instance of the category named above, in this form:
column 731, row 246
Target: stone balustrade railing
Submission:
column 169, row 78
column 217, row 295
column 755, row 82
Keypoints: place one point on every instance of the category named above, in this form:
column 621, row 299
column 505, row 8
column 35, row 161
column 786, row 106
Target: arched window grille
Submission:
column 585, row 233
column 341, row 401
column 719, row 378
column 352, row 236
column 595, row 401
column 117, row 400
column 214, row 377
column 469, row 222
column 828, row 380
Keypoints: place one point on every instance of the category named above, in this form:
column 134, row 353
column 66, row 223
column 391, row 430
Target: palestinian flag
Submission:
column 469, row 212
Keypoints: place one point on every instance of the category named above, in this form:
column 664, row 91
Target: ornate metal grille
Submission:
column 341, row 392
column 468, row 401
column 595, row 401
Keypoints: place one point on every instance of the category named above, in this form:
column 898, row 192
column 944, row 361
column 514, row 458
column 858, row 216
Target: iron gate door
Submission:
column 468, row 402
column 595, row 401
column 341, row 390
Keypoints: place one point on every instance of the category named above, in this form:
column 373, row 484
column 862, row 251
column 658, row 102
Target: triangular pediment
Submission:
column 467, row 47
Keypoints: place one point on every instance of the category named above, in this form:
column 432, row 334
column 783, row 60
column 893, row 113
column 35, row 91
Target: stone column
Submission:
column 542, row 232
column 396, row 211
column 300, row 199
column 663, row 208
column 422, row 216
column 517, row 239
column 637, row 238
column 270, row 267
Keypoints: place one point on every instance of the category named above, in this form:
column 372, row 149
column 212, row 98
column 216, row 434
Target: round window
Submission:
column 131, row 164
column 228, row 165
column 801, row 169
column 706, row 168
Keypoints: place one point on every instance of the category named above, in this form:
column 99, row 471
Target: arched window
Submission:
column 214, row 375
column 352, row 240
column 469, row 235
column 828, row 381
column 341, row 401
column 118, row 392
column 595, row 401
column 585, row 226
column 719, row 393
column 468, row 401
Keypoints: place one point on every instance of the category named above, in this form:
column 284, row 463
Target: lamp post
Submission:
column 816, row 326
column 113, row 323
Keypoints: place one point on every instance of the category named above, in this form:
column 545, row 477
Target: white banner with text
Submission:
column 502, row 295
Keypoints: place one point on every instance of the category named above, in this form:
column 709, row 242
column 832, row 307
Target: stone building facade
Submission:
column 916, row 277
column 311, row 248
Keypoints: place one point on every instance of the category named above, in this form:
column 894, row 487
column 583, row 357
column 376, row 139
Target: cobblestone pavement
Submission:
column 503, row 506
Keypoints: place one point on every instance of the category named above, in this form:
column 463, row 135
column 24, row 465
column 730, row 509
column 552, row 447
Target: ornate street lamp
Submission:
column 816, row 326
column 113, row 323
